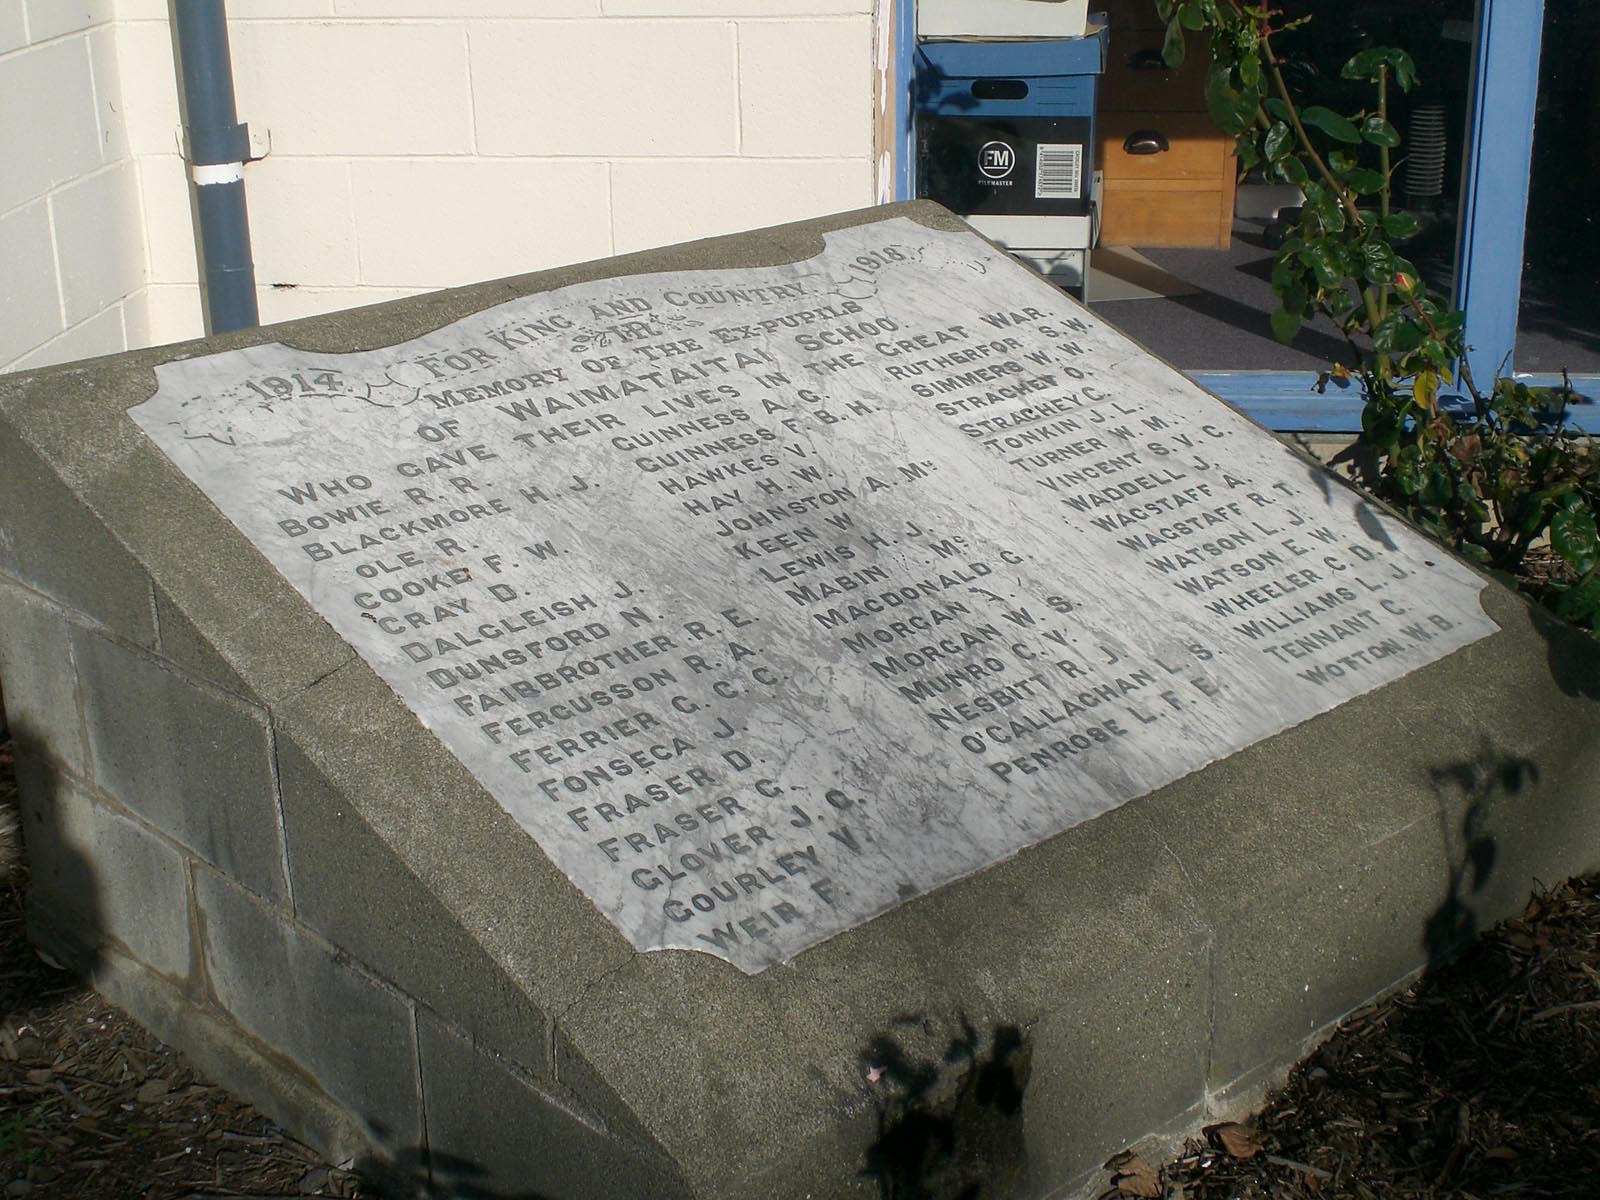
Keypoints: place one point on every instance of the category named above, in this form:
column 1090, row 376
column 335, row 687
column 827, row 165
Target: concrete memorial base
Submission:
column 1012, row 815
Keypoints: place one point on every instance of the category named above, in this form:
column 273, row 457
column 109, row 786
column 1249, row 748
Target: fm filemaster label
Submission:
column 996, row 160
column 766, row 600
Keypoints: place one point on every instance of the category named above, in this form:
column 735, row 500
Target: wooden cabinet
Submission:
column 1179, row 192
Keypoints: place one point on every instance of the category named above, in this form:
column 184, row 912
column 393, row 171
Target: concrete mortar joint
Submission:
column 559, row 1097
column 199, row 936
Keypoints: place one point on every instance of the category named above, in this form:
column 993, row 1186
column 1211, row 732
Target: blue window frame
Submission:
column 1494, row 206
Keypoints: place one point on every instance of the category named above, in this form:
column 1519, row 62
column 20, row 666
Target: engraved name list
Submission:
column 768, row 599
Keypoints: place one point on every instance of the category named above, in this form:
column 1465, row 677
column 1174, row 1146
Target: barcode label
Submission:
column 1060, row 172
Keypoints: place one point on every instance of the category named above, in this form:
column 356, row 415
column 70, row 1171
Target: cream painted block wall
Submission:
column 418, row 144
column 72, row 264
column 415, row 144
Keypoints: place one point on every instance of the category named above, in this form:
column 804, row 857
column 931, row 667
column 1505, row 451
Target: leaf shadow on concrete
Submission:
column 949, row 1109
column 1470, row 794
column 1573, row 656
column 1474, row 794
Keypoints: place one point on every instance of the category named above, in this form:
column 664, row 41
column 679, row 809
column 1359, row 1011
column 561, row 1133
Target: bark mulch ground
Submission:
column 1481, row 1081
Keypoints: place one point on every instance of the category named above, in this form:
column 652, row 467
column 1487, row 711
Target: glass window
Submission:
column 1192, row 281
column 1558, row 323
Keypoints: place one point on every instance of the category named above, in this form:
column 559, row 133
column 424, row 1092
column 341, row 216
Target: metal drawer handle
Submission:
column 999, row 89
column 1146, row 141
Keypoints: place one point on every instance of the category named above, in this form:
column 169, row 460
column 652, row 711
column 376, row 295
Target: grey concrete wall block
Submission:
column 50, row 541
column 226, row 1055
column 355, row 891
column 1101, row 897
column 492, row 1131
column 1548, row 832
column 1121, row 1061
column 41, row 699
column 1294, row 960
column 191, row 760
column 1254, row 822
column 385, row 768
column 180, row 643
column 79, row 444
column 349, row 1032
column 99, row 875
column 1514, row 817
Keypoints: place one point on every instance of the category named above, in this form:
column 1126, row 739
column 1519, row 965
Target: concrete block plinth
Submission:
column 814, row 713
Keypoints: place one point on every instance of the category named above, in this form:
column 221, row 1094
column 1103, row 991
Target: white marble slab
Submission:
column 768, row 599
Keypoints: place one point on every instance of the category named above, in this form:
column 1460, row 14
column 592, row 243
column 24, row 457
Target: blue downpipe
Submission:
column 219, row 145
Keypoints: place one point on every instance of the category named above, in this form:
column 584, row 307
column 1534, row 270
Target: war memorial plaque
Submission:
column 768, row 599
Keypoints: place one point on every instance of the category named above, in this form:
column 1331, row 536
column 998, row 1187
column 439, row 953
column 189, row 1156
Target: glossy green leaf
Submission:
column 1364, row 181
column 1437, row 354
column 1580, row 604
column 1292, row 170
column 1296, row 296
column 1365, row 66
column 1190, row 15
column 1172, row 46
column 1321, row 256
column 1276, row 109
column 1340, row 301
column 1425, row 389
column 1331, row 123
column 1377, row 262
column 1278, row 142
column 1528, row 515
column 1438, row 487
column 1408, row 476
column 1573, row 534
column 1396, row 334
column 1380, row 133
column 1400, row 225
column 1327, row 207
column 1405, row 71
column 1288, row 274
column 1234, row 110
column 1378, row 427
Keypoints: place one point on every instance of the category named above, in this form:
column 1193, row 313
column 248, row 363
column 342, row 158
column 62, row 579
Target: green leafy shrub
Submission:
column 1502, row 481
